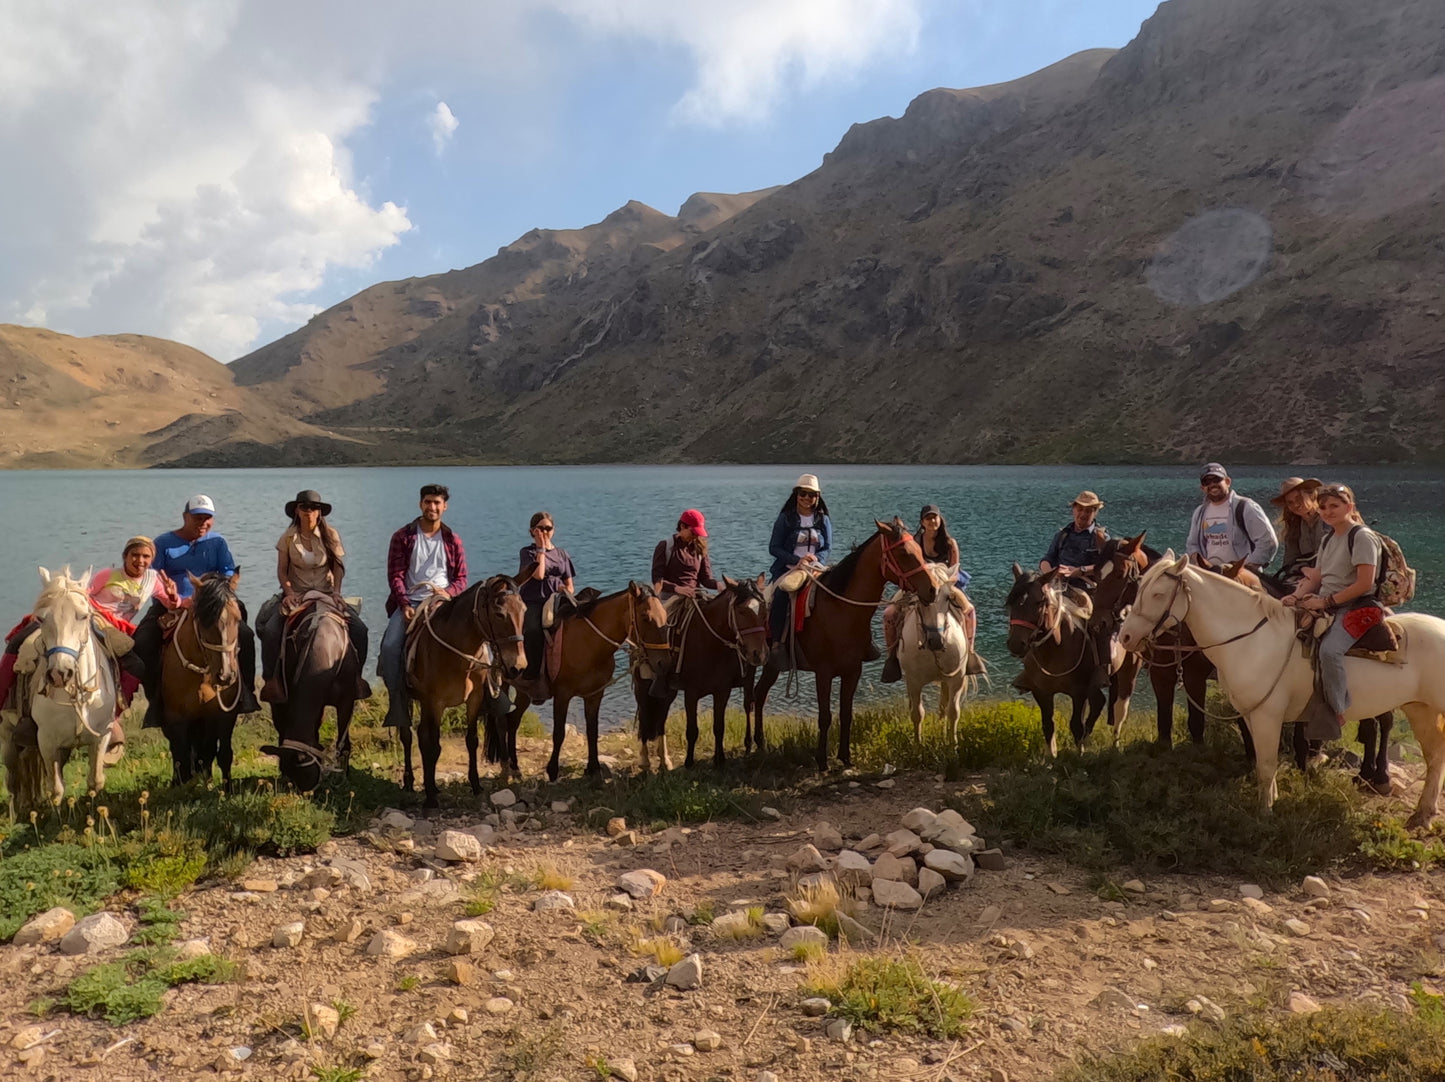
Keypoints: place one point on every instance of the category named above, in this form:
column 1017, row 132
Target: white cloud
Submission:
column 184, row 171
column 748, row 53
column 442, row 125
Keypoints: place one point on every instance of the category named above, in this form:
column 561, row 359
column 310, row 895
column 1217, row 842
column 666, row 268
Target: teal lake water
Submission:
column 609, row 518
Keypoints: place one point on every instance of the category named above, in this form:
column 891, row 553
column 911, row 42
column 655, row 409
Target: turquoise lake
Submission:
column 609, row 518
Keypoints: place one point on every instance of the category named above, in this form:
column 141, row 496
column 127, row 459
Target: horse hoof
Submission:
column 1419, row 821
column 1377, row 786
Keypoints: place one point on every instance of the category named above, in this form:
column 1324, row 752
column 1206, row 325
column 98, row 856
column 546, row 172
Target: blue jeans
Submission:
column 1333, row 645
column 391, row 665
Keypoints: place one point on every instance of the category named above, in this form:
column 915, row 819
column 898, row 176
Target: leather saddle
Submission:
column 1383, row 641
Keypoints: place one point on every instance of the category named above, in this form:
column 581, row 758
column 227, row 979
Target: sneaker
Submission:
column 153, row 718
column 892, row 670
column 115, row 750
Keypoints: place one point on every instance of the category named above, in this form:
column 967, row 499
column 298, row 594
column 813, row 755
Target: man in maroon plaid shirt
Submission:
column 425, row 557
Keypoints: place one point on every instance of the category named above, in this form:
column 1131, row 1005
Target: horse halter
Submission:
column 1159, row 625
column 893, row 570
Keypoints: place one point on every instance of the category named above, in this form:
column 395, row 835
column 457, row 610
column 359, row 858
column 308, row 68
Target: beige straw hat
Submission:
column 1086, row 499
column 1289, row 484
column 809, row 483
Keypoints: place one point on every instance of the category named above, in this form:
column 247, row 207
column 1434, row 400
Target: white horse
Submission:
column 73, row 690
column 1250, row 637
column 933, row 649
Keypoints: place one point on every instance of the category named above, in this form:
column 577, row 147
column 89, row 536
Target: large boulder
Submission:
column 45, row 927
column 95, row 933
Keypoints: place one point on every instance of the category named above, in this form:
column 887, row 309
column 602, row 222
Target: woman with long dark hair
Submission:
column 309, row 559
column 802, row 540
column 938, row 547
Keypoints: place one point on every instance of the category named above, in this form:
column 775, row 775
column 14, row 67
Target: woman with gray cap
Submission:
column 309, row 558
column 938, row 547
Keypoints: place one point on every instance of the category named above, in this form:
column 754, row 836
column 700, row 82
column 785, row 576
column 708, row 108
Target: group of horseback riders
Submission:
column 1333, row 564
column 1330, row 565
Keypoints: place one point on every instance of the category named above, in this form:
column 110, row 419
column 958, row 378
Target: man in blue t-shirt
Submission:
column 192, row 550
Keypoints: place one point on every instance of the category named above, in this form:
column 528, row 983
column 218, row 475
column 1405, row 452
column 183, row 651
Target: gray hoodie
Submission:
column 1256, row 542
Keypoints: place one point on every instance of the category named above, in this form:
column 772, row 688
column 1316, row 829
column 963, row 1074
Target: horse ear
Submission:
column 1048, row 576
column 1131, row 544
column 44, row 574
column 729, row 583
column 1180, row 564
column 762, row 579
column 899, row 525
column 84, row 580
column 883, row 527
column 1018, row 571
column 1233, row 570
column 235, row 579
column 633, row 588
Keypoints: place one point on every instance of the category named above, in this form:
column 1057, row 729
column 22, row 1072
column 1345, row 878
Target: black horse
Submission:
column 320, row 668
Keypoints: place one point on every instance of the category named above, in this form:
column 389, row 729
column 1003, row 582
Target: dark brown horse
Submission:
column 319, row 668
column 837, row 638
column 201, row 680
column 591, row 637
column 1064, row 653
column 718, row 644
column 463, row 646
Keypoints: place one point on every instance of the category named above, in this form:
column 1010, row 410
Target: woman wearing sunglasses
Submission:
column 309, row 558
column 545, row 570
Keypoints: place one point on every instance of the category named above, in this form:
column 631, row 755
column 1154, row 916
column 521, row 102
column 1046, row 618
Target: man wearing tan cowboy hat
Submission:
column 1076, row 547
column 1228, row 527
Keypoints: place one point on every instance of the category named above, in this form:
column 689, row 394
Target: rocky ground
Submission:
column 360, row 958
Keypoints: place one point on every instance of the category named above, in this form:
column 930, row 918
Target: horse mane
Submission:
column 838, row 576
column 212, row 597
column 585, row 609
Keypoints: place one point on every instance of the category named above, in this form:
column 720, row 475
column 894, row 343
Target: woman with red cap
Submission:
column 681, row 564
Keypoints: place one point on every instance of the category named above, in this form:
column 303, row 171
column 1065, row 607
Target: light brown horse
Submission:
column 835, row 640
column 201, row 680
column 591, row 637
column 464, row 645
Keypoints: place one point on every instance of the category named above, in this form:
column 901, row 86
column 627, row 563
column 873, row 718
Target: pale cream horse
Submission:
column 1250, row 637
column 73, row 687
column 933, row 649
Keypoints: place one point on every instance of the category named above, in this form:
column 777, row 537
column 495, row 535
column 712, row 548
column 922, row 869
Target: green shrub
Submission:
column 135, row 986
column 1191, row 809
column 71, row 874
column 260, row 821
column 1351, row 1044
column 894, row 993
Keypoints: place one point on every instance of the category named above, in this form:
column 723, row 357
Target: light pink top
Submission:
column 120, row 595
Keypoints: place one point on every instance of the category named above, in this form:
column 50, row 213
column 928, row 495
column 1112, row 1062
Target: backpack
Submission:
column 1394, row 578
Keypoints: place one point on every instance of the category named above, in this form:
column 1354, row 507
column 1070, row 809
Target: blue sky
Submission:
column 219, row 178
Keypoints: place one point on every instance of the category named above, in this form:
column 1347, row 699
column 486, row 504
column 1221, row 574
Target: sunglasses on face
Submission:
column 544, row 529
column 807, row 495
column 1210, row 480
column 308, row 507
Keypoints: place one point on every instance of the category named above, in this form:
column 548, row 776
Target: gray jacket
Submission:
column 1250, row 531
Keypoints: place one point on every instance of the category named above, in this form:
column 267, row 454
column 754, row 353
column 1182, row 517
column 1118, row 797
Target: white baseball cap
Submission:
column 200, row 505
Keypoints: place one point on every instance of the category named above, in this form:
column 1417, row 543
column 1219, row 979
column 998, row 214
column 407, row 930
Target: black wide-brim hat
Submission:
column 310, row 495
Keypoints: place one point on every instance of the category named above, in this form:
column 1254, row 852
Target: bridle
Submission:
column 893, row 570
column 1192, row 648
column 221, row 649
column 1042, row 631
column 78, row 691
column 735, row 598
column 488, row 655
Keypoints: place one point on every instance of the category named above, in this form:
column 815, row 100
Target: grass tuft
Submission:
column 662, row 949
column 892, row 993
column 1352, row 1044
column 819, row 906
column 549, row 878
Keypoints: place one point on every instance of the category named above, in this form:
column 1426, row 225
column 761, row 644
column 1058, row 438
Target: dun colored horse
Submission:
column 319, row 668
column 201, row 680
column 459, row 648
column 718, row 645
column 1250, row 637
column 933, row 648
column 836, row 639
column 591, row 637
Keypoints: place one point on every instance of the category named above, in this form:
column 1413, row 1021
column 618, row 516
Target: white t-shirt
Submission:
column 428, row 566
column 808, row 538
column 1218, row 545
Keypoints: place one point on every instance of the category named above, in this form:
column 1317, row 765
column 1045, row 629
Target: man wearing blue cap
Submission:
column 1227, row 527
column 192, row 550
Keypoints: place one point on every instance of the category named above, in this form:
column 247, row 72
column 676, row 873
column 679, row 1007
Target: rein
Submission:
column 488, row 655
column 1187, row 648
column 887, row 563
column 736, row 642
column 204, row 670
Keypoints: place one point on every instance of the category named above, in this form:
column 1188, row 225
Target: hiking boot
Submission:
column 363, row 689
column 272, row 691
column 872, row 653
column 246, row 703
column 892, row 670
